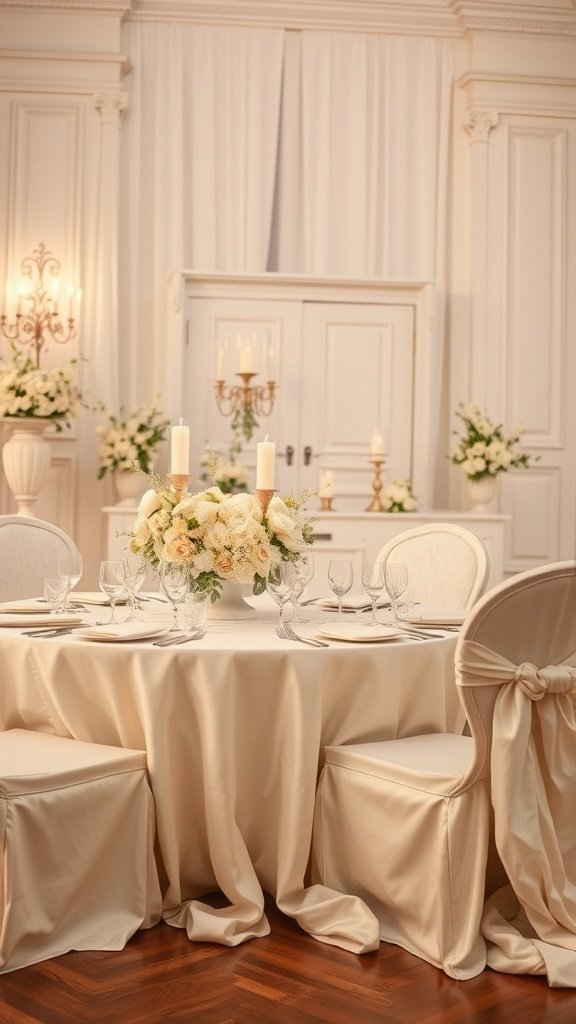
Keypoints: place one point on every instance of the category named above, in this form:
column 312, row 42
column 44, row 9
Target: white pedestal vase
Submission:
column 130, row 486
column 481, row 493
column 26, row 460
column 232, row 604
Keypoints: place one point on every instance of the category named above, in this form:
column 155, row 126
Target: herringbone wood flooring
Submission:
column 287, row 978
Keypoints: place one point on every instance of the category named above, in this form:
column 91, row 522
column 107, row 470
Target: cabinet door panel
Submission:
column 357, row 376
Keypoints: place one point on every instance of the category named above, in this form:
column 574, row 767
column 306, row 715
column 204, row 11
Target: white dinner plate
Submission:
column 122, row 632
column 351, row 604
column 92, row 597
column 26, row 619
column 358, row 634
column 426, row 616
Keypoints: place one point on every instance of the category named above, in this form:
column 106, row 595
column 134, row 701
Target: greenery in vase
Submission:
column 26, row 391
column 130, row 440
column 485, row 448
column 398, row 497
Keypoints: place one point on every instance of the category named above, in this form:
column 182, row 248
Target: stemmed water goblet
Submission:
column 174, row 583
column 340, row 579
column 304, row 569
column 134, row 571
column 70, row 568
column 396, row 581
column 373, row 583
column 111, row 582
column 280, row 584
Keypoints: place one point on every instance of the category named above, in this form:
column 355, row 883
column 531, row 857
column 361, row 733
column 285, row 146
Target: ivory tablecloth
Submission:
column 234, row 726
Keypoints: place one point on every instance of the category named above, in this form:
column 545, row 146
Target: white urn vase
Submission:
column 232, row 605
column 26, row 460
column 130, row 486
column 481, row 493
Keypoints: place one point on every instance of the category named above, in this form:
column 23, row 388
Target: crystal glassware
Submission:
column 70, row 568
column 373, row 583
column 111, row 582
column 396, row 581
column 196, row 605
column 134, row 571
column 280, row 584
column 56, row 593
column 174, row 583
column 304, row 569
column 340, row 576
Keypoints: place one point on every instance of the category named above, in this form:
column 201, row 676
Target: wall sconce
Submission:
column 31, row 316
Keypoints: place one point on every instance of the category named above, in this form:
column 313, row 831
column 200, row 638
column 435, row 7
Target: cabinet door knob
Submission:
column 307, row 455
column 289, row 454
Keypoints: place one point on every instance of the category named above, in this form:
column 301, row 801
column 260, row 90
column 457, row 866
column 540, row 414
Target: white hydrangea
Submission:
column 130, row 441
column 26, row 391
column 485, row 448
column 398, row 497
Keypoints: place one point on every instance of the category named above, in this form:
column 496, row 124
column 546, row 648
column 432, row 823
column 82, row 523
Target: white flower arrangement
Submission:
column 27, row 391
column 219, row 536
column 485, row 449
column 130, row 440
column 398, row 497
column 226, row 472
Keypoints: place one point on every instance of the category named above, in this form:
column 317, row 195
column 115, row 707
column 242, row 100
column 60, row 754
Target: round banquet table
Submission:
column 234, row 726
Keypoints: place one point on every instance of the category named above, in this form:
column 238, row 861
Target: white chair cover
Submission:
column 407, row 824
column 448, row 565
column 77, row 868
column 29, row 552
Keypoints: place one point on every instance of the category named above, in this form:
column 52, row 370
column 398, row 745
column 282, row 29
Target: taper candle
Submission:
column 180, row 450
column 265, row 465
column 377, row 444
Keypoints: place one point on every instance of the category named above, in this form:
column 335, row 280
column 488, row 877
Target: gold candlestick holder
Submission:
column 376, row 505
column 178, row 481
column 264, row 497
column 326, row 504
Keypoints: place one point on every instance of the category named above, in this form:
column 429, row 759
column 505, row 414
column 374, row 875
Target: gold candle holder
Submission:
column 264, row 497
column 376, row 504
column 326, row 504
column 178, row 481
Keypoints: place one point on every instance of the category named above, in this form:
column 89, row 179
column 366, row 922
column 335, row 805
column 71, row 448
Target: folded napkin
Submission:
column 92, row 597
column 123, row 631
column 31, row 606
column 427, row 616
column 354, row 603
column 353, row 633
column 42, row 619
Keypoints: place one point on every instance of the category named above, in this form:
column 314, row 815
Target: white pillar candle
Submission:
column 265, row 465
column 325, row 489
column 246, row 355
column 180, row 453
column 377, row 444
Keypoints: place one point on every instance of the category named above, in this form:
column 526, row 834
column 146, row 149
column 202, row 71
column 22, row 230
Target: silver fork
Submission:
column 173, row 640
column 285, row 632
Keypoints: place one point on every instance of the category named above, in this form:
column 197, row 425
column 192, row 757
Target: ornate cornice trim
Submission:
column 479, row 123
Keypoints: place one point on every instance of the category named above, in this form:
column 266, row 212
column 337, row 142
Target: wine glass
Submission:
column 111, row 581
column 134, row 571
column 373, row 583
column 340, row 580
column 304, row 569
column 396, row 580
column 174, row 583
column 70, row 568
column 280, row 584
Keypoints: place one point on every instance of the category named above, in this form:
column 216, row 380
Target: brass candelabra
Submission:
column 32, row 326
column 376, row 505
column 257, row 399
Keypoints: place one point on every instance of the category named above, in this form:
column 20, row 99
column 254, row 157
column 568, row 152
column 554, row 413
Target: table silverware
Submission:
column 180, row 639
column 285, row 632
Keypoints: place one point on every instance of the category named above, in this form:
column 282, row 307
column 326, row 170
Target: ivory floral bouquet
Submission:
column 219, row 536
column 130, row 440
column 485, row 448
column 398, row 497
column 27, row 391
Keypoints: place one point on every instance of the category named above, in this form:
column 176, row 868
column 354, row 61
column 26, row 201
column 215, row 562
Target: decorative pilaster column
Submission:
column 479, row 123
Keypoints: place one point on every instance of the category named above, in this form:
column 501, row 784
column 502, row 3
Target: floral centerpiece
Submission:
column 219, row 537
column 399, row 497
column 485, row 449
column 26, row 391
column 130, row 440
column 228, row 472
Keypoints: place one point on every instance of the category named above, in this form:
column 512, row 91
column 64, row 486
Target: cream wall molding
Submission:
column 409, row 17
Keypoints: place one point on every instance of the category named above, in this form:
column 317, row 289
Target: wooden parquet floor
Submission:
column 286, row 978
